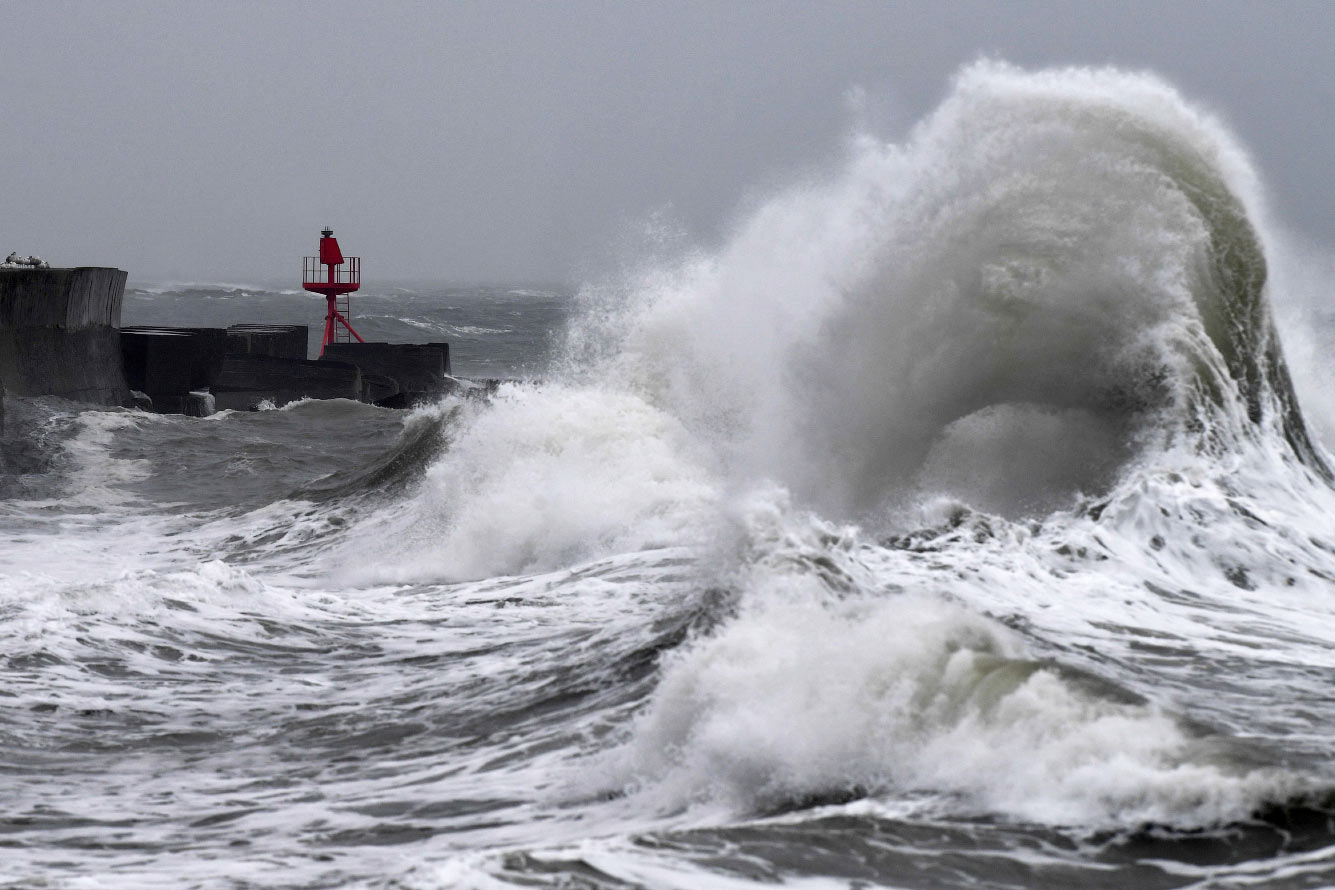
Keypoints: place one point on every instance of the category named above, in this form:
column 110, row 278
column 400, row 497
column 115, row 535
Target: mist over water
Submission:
column 952, row 524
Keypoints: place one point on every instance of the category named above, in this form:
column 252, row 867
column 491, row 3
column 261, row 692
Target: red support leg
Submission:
column 339, row 316
column 328, row 326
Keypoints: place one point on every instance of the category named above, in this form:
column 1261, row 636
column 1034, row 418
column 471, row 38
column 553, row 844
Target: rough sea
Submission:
column 961, row 520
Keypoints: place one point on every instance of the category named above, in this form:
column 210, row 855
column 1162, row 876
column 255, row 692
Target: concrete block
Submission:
column 168, row 363
column 377, row 387
column 199, row 403
column 59, row 333
column 445, row 348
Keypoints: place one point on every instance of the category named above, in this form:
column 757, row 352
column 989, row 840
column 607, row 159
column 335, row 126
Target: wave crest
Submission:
column 1055, row 271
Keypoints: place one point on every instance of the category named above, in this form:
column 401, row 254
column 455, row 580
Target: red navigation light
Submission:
column 339, row 277
column 330, row 255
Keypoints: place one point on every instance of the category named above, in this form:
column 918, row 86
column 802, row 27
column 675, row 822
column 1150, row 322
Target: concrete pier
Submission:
column 60, row 334
column 414, row 371
column 247, row 365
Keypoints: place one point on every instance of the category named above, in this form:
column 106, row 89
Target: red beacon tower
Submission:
column 335, row 276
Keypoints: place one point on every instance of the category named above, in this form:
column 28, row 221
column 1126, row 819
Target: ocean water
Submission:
column 961, row 520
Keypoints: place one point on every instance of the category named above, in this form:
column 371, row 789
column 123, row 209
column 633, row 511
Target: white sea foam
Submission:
column 93, row 477
column 226, row 287
column 970, row 314
column 545, row 476
column 845, row 670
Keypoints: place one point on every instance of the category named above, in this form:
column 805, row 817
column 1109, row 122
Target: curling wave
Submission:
column 1055, row 271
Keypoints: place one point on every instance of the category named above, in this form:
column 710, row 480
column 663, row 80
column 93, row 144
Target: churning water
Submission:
column 955, row 524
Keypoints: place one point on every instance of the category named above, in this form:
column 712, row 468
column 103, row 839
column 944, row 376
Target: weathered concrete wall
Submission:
column 414, row 370
column 167, row 363
column 59, row 334
column 279, row 341
column 247, row 380
column 246, row 365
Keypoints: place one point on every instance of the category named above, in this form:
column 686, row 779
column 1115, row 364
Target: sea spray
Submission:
column 1051, row 297
column 544, row 476
column 1067, row 247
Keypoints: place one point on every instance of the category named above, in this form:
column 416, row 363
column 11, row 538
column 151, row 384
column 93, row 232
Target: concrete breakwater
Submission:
column 60, row 334
column 244, row 366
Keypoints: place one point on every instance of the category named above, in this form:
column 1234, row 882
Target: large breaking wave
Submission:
column 1040, row 325
column 1056, row 274
column 1053, row 271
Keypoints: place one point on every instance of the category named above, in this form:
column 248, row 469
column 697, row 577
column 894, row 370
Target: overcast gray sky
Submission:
column 508, row 141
